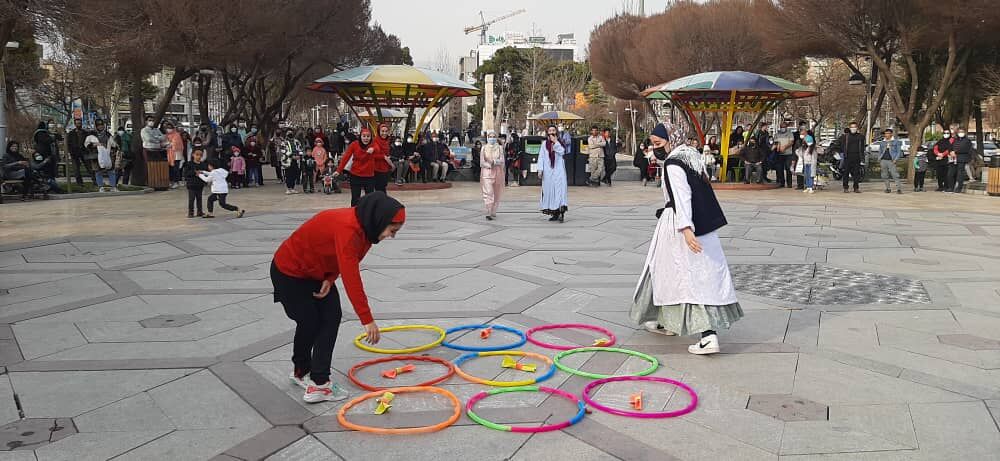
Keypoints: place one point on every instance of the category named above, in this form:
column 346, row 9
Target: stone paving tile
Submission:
column 86, row 255
column 96, row 446
column 18, row 456
column 307, row 448
column 29, row 292
column 8, row 408
column 473, row 441
column 136, row 413
column 201, row 401
column 545, row 445
column 945, row 429
column 72, row 393
column 193, row 445
column 852, row 429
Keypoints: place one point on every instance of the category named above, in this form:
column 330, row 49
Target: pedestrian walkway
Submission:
column 872, row 329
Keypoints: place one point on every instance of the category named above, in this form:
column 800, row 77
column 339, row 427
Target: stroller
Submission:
column 39, row 180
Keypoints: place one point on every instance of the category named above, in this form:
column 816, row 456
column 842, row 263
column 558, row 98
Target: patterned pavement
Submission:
column 870, row 334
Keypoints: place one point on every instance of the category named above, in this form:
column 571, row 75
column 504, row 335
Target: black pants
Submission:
column 959, row 176
column 918, row 179
column 949, row 184
column 309, row 180
column 277, row 173
column 222, row 202
column 77, row 160
column 382, row 181
column 851, row 170
column 194, row 197
column 367, row 183
column 785, row 170
column 291, row 174
column 317, row 322
column 941, row 171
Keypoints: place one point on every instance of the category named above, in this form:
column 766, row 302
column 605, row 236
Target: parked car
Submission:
column 989, row 148
column 873, row 148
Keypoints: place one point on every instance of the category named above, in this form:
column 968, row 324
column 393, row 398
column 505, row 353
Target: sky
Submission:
column 430, row 26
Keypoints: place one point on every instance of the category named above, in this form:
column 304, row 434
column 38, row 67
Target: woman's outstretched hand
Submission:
column 691, row 240
column 323, row 290
column 371, row 333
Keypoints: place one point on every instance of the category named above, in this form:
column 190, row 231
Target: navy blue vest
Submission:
column 705, row 210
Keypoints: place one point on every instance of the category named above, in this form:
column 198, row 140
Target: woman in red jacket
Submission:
column 383, row 167
column 361, row 154
column 327, row 246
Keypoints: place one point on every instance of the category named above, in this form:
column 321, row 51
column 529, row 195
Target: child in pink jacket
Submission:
column 237, row 168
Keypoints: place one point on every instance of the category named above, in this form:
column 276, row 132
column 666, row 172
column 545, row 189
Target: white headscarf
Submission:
column 689, row 156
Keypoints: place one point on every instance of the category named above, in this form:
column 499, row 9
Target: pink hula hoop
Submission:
column 582, row 326
column 635, row 414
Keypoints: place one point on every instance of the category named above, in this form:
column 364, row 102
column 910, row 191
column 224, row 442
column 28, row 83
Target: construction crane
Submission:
column 482, row 28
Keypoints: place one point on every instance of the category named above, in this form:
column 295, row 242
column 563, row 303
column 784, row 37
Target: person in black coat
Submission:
column 852, row 145
column 610, row 161
column 194, row 184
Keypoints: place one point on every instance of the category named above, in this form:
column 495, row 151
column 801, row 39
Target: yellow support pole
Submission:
column 727, row 127
column 427, row 109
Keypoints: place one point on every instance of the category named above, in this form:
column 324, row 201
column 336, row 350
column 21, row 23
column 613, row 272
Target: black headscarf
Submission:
column 375, row 212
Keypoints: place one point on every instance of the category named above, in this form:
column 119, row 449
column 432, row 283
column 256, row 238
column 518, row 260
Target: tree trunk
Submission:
column 137, row 113
column 180, row 74
column 978, row 161
column 204, row 87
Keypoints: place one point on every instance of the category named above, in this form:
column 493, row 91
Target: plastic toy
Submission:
column 523, row 339
column 632, row 414
column 384, row 403
column 392, row 373
column 485, row 334
column 636, row 400
column 609, row 336
column 352, row 373
column 409, row 350
column 548, row 373
column 509, row 362
column 654, row 364
column 581, row 409
column 342, row 419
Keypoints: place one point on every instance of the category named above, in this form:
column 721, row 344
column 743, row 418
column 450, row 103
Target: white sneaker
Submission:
column 707, row 345
column 302, row 382
column 654, row 327
column 173, row 185
column 328, row 392
column 289, row 192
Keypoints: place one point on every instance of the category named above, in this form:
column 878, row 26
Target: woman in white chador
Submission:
column 685, row 287
column 552, row 171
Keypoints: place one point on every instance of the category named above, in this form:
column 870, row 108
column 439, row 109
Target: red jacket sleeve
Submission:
column 347, row 156
column 349, row 262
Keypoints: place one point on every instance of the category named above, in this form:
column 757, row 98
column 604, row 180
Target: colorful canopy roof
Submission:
column 556, row 116
column 718, row 87
column 393, row 86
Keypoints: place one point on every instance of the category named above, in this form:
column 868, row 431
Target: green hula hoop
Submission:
column 573, row 371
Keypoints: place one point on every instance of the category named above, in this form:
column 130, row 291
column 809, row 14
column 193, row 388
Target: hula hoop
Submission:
column 527, row 382
column 351, row 374
column 581, row 409
column 635, row 414
column 582, row 326
column 410, row 350
column 513, row 345
column 342, row 419
column 652, row 360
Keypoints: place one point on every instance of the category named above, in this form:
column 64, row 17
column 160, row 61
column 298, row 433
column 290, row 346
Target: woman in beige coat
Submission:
column 491, row 161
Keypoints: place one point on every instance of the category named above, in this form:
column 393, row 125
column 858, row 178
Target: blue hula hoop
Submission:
column 519, row 333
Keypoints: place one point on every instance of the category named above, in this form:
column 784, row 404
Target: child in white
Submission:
column 216, row 177
column 711, row 170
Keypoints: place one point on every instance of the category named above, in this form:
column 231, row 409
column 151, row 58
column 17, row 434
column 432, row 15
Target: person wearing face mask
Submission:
column 963, row 155
column 242, row 131
column 685, row 287
column 397, row 154
column 889, row 150
column 46, row 146
column 328, row 246
column 595, row 156
column 124, row 140
column 361, row 155
column 610, row 152
column 383, row 165
column 154, row 145
column 852, row 145
column 230, row 139
column 175, row 153
column 552, row 172
column 491, row 164
column 806, row 154
column 430, row 153
column 254, row 159
column 78, row 152
column 941, row 153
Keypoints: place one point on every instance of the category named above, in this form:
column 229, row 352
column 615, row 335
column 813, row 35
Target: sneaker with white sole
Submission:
column 654, row 327
column 302, row 382
column 316, row 393
column 708, row 345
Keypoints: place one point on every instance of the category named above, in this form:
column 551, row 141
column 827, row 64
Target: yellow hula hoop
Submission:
column 527, row 382
column 440, row 331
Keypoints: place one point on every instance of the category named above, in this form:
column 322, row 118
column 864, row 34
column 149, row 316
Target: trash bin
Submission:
column 157, row 169
column 993, row 181
column 530, row 147
column 581, row 172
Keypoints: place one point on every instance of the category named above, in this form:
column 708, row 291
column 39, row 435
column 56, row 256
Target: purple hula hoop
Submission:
column 582, row 326
column 635, row 414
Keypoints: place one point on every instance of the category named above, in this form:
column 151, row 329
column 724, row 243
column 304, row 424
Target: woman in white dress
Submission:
column 685, row 287
column 552, row 171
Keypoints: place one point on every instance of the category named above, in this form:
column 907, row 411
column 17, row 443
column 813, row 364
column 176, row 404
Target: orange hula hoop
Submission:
column 342, row 418
column 352, row 373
